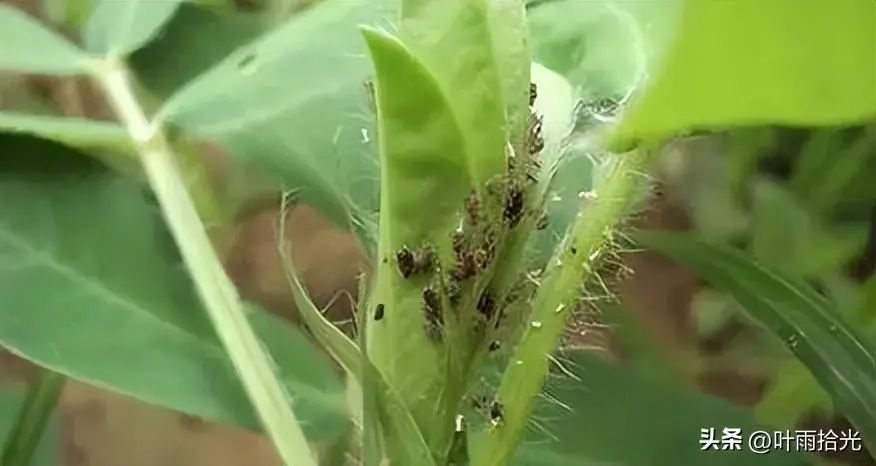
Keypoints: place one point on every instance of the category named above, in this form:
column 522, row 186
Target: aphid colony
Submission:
column 487, row 217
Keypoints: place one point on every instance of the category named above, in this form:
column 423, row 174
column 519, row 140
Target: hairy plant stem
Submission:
column 247, row 354
column 569, row 267
column 41, row 399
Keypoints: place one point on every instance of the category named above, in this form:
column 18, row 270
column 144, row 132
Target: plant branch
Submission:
column 24, row 438
column 252, row 362
column 569, row 267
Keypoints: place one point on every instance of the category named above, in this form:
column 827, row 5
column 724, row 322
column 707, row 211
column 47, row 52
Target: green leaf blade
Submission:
column 842, row 361
column 75, row 132
column 118, row 27
column 423, row 182
column 102, row 299
column 295, row 109
column 665, row 420
column 749, row 62
column 482, row 83
column 19, row 34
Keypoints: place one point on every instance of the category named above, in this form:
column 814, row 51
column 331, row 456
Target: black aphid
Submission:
column 482, row 258
column 573, row 250
column 542, row 222
column 473, row 208
column 533, row 93
column 494, row 346
column 453, row 289
column 405, row 259
column 458, row 243
column 535, row 141
column 378, row 312
column 246, row 61
column 513, row 206
column 433, row 317
column 411, row 263
column 424, row 259
column 497, row 413
column 486, row 305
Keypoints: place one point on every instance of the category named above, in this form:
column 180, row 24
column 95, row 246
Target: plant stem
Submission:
column 41, row 399
column 247, row 354
column 569, row 267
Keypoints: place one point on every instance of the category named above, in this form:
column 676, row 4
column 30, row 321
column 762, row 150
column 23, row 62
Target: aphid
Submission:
column 453, row 289
column 467, row 268
column 542, row 222
column 535, row 141
column 424, row 259
column 494, row 346
column 513, row 206
column 479, row 402
column 573, row 250
column 246, row 62
column 482, row 258
column 410, row 263
column 372, row 95
column 405, row 259
column 497, row 413
column 533, row 93
column 378, row 312
column 457, row 242
column 499, row 319
column 433, row 318
column 486, row 305
column 473, row 208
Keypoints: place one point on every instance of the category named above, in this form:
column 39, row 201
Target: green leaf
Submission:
column 119, row 27
column 559, row 175
column 403, row 436
column 421, row 144
column 423, row 183
column 749, row 62
column 842, row 361
column 194, row 40
column 11, row 399
column 705, row 186
column 792, row 394
column 602, row 47
column 89, row 272
column 785, row 235
column 75, row 132
column 566, row 167
column 656, row 424
column 296, row 108
column 341, row 347
column 489, row 79
column 23, row 442
column 30, row 48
